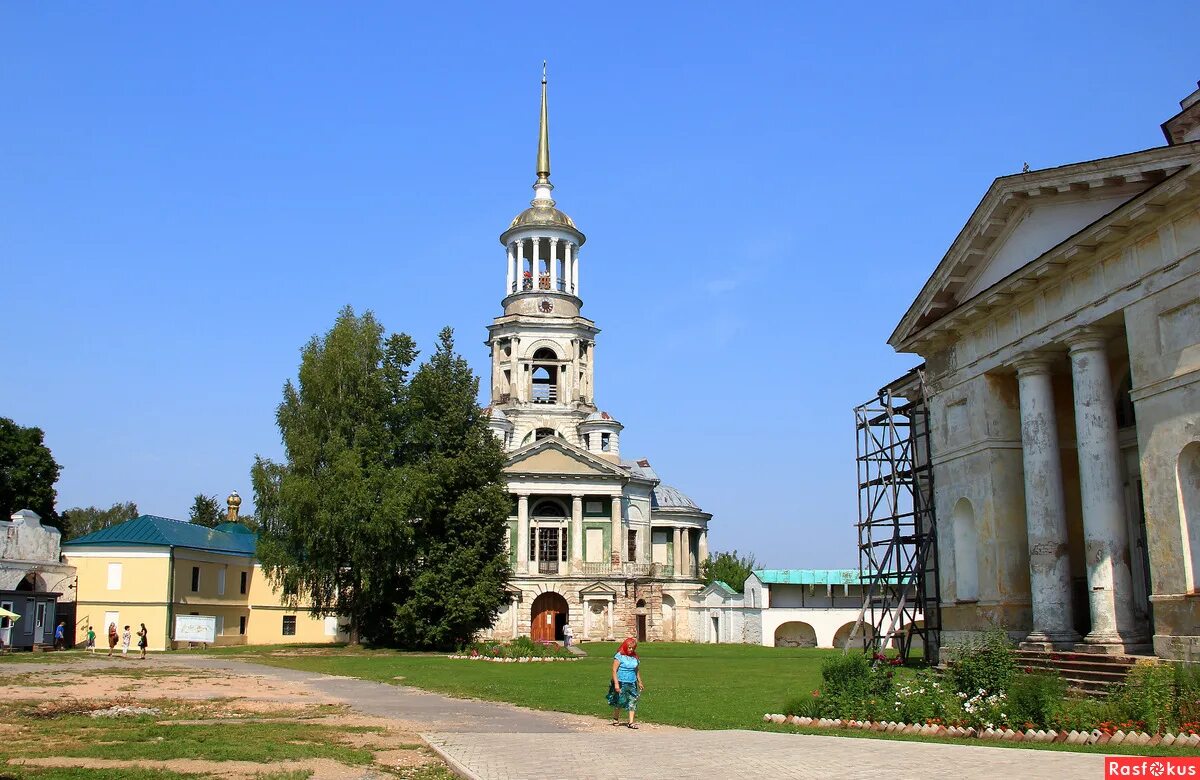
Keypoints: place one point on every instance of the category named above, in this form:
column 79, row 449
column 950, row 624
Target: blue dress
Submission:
column 627, row 696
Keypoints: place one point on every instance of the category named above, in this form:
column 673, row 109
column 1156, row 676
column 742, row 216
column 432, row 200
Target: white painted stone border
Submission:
column 1094, row 737
column 523, row 660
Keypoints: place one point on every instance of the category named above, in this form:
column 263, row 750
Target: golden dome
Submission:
column 542, row 215
column 234, row 499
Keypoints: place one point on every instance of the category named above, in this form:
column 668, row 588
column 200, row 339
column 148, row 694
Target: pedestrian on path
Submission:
column 568, row 635
column 60, row 635
column 91, row 639
column 626, row 686
column 126, row 638
column 142, row 640
column 112, row 638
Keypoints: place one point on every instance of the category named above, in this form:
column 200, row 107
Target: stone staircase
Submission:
column 1093, row 674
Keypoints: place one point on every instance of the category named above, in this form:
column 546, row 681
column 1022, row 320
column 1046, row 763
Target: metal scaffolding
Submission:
column 897, row 529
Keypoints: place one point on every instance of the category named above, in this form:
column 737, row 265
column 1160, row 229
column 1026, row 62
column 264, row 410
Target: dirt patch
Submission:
column 321, row 768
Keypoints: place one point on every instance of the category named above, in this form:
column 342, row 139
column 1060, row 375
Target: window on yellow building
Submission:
column 289, row 625
column 244, row 578
column 114, row 576
column 195, row 579
column 220, row 582
column 242, row 620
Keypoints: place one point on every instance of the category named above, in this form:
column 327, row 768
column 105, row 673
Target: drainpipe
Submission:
column 170, row 594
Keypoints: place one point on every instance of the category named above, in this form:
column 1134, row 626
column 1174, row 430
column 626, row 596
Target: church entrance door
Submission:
column 550, row 613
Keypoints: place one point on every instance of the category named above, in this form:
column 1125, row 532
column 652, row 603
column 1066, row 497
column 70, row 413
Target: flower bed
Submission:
column 520, row 650
column 1073, row 737
column 982, row 693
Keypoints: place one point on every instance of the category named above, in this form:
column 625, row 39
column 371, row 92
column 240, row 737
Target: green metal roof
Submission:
column 809, row 576
column 154, row 531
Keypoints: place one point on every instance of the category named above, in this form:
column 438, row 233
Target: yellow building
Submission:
column 152, row 569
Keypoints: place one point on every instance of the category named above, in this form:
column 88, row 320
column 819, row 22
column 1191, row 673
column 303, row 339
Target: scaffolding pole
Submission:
column 897, row 529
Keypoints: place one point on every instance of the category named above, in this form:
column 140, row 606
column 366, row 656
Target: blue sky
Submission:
column 188, row 192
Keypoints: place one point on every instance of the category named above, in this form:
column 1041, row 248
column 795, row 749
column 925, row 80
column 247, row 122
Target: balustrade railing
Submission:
column 547, row 567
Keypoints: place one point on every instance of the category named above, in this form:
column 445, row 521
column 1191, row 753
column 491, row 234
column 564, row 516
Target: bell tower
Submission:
column 542, row 347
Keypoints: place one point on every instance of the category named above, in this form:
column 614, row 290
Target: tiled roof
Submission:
column 154, row 531
column 809, row 576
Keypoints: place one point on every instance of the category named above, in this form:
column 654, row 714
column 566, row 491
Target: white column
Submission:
column 516, row 609
column 508, row 285
column 703, row 546
column 612, row 612
column 537, row 547
column 677, row 550
column 617, row 553
column 553, row 264
column 574, row 250
column 1045, row 506
column 520, row 264
column 537, row 263
column 586, row 618
column 576, row 533
column 1105, row 538
column 522, row 533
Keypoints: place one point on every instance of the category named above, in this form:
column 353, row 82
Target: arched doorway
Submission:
column 842, row 634
column 550, row 613
column 640, row 611
column 795, row 634
column 668, row 618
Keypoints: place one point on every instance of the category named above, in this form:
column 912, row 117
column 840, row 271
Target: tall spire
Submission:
column 543, row 157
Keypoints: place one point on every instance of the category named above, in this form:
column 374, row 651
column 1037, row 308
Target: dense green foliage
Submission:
column 28, row 472
column 729, row 568
column 81, row 520
column 983, row 687
column 206, row 511
column 982, row 665
column 390, row 509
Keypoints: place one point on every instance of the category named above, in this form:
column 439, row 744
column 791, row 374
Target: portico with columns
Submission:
column 595, row 541
column 1061, row 339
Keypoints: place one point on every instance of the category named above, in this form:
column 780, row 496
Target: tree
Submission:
column 28, row 472
column 79, row 520
column 389, row 509
column 729, row 568
column 206, row 511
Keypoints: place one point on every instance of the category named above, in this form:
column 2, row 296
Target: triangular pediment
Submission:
column 597, row 589
column 1024, row 217
column 552, row 456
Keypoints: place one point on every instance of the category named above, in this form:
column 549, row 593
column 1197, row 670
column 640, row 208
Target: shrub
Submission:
column 982, row 665
column 1036, row 697
column 806, row 706
column 925, row 698
column 853, row 687
column 1148, row 696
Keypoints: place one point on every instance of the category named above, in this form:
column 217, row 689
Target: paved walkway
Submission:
column 490, row 741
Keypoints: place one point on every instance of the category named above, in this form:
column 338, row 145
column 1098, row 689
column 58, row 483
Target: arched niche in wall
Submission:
column 966, row 551
column 1189, row 509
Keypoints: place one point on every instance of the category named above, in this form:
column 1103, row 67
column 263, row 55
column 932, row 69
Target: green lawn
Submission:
column 690, row 685
column 701, row 686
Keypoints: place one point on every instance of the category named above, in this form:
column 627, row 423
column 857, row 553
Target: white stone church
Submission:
column 1061, row 338
column 596, row 542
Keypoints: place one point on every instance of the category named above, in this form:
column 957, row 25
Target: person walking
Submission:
column 112, row 638
column 568, row 635
column 60, row 635
column 626, row 684
column 143, row 640
column 91, row 639
column 126, row 638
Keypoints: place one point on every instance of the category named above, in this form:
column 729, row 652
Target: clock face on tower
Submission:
column 545, row 305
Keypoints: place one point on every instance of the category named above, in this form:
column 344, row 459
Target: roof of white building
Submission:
column 665, row 496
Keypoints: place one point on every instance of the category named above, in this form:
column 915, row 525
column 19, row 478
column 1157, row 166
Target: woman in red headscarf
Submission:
column 626, row 684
